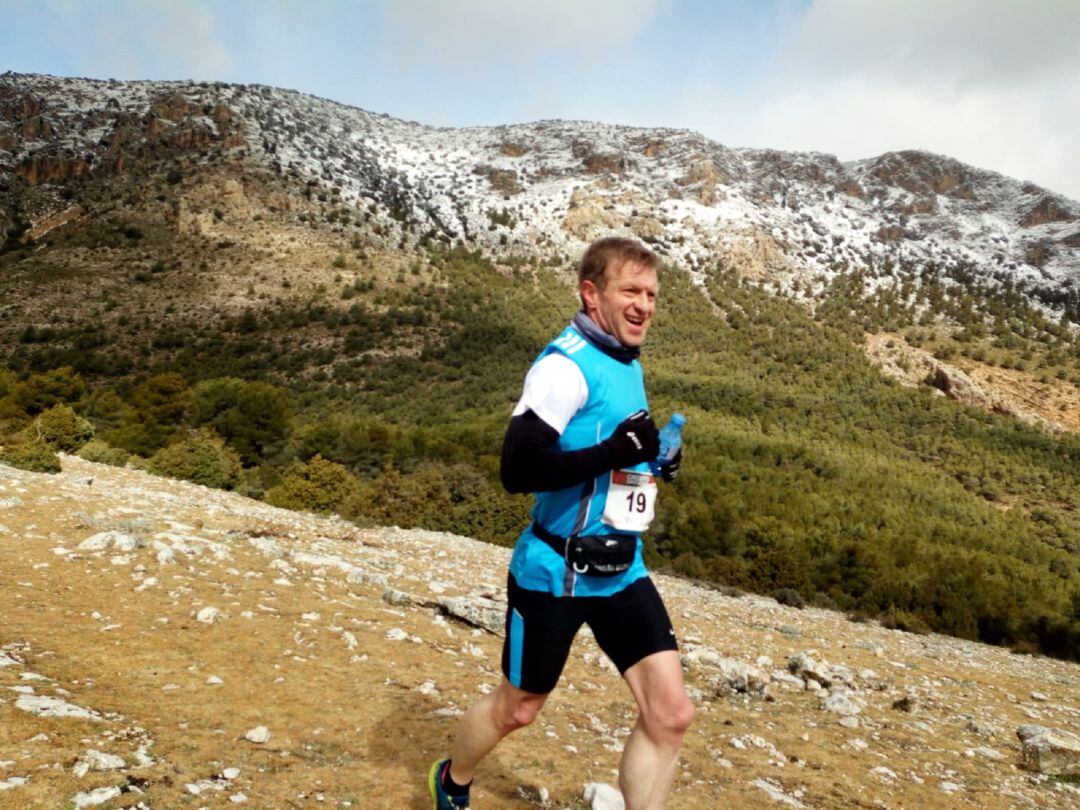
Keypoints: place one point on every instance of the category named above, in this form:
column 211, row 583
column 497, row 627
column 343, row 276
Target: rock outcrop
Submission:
column 1050, row 750
column 912, row 366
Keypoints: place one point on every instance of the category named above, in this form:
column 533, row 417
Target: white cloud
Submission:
column 166, row 39
column 955, row 41
column 992, row 83
column 487, row 32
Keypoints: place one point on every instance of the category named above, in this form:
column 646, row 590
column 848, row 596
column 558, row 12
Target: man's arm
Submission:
column 533, row 462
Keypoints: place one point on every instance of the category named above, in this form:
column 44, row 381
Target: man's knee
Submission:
column 519, row 709
column 682, row 715
column 669, row 718
column 525, row 713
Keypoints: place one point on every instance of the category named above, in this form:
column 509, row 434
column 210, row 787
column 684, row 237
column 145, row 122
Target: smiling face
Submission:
column 624, row 306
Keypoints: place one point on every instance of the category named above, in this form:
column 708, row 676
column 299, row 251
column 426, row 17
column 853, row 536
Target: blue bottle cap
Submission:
column 678, row 419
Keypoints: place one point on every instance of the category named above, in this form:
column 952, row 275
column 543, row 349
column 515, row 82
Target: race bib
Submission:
column 631, row 501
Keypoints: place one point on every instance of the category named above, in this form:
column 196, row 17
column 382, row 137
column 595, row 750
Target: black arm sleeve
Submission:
column 531, row 462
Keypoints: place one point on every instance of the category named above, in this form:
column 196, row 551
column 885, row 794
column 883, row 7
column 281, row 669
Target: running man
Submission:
column 581, row 438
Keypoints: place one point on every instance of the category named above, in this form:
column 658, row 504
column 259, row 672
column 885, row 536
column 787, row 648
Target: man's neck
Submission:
column 604, row 341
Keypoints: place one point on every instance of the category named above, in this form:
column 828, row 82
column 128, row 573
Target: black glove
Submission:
column 635, row 440
column 669, row 470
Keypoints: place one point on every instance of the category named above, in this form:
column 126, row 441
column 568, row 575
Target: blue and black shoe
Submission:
column 442, row 799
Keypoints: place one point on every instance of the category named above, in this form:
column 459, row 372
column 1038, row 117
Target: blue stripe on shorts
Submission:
column 517, row 646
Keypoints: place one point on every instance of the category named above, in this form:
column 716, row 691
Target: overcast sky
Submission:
column 995, row 83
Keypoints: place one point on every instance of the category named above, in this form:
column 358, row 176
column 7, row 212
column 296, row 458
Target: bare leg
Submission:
column 489, row 720
column 651, row 753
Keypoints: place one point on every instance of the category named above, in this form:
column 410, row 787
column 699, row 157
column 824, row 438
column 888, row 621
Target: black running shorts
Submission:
column 540, row 628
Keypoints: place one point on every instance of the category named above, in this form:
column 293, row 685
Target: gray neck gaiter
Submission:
column 603, row 341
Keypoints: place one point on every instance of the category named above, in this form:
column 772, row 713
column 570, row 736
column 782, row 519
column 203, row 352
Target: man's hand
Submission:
column 635, row 440
column 669, row 470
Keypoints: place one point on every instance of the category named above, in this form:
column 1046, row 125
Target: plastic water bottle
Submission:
column 670, row 440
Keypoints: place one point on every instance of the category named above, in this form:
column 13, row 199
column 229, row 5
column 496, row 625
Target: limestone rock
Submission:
column 777, row 793
column 208, row 615
column 486, row 616
column 731, row 674
column 587, row 215
column 503, row 181
column 360, row 577
column 398, row 598
column 1044, row 211
column 603, row 797
column 804, row 665
column 46, row 706
column 913, row 367
column 513, row 149
column 103, row 540
column 955, row 384
column 97, row 761
column 981, row 728
column 842, row 702
column 702, row 174
column 38, row 168
column 259, row 734
column 95, row 797
column 1049, row 750
column 985, row 753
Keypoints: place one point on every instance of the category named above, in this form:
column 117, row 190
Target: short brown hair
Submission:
column 612, row 251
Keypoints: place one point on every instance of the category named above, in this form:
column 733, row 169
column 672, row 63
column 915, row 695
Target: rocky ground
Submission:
column 1050, row 403
column 165, row 645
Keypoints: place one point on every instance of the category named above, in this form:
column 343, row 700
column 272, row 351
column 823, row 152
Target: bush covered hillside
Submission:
column 334, row 310
column 381, row 391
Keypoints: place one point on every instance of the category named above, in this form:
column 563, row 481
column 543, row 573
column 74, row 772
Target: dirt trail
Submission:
column 163, row 622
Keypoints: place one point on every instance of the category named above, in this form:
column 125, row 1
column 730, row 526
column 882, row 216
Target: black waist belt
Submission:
column 598, row 555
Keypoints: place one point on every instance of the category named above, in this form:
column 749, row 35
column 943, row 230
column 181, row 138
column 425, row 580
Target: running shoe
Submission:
column 442, row 799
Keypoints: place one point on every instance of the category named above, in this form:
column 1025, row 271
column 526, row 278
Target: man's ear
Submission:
column 589, row 293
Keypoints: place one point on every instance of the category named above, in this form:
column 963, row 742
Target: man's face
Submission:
column 624, row 307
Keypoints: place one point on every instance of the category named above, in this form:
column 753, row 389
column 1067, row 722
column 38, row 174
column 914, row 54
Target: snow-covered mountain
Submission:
column 548, row 187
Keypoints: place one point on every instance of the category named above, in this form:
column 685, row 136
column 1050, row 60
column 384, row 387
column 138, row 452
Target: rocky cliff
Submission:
column 546, row 188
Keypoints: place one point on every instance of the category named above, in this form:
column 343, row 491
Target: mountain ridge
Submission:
column 551, row 186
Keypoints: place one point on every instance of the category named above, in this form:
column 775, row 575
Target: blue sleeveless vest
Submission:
column 616, row 390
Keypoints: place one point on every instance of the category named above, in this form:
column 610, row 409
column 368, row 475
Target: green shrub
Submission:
column 253, row 417
column 103, row 453
column 157, row 410
column 903, row 620
column 317, row 486
column 789, row 597
column 42, row 391
column 202, row 458
column 105, row 409
column 63, row 429
column 7, row 381
column 32, row 455
column 689, row 564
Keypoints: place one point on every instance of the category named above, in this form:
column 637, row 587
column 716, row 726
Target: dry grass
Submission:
column 355, row 718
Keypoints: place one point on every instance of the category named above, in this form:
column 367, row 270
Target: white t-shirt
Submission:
column 555, row 389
